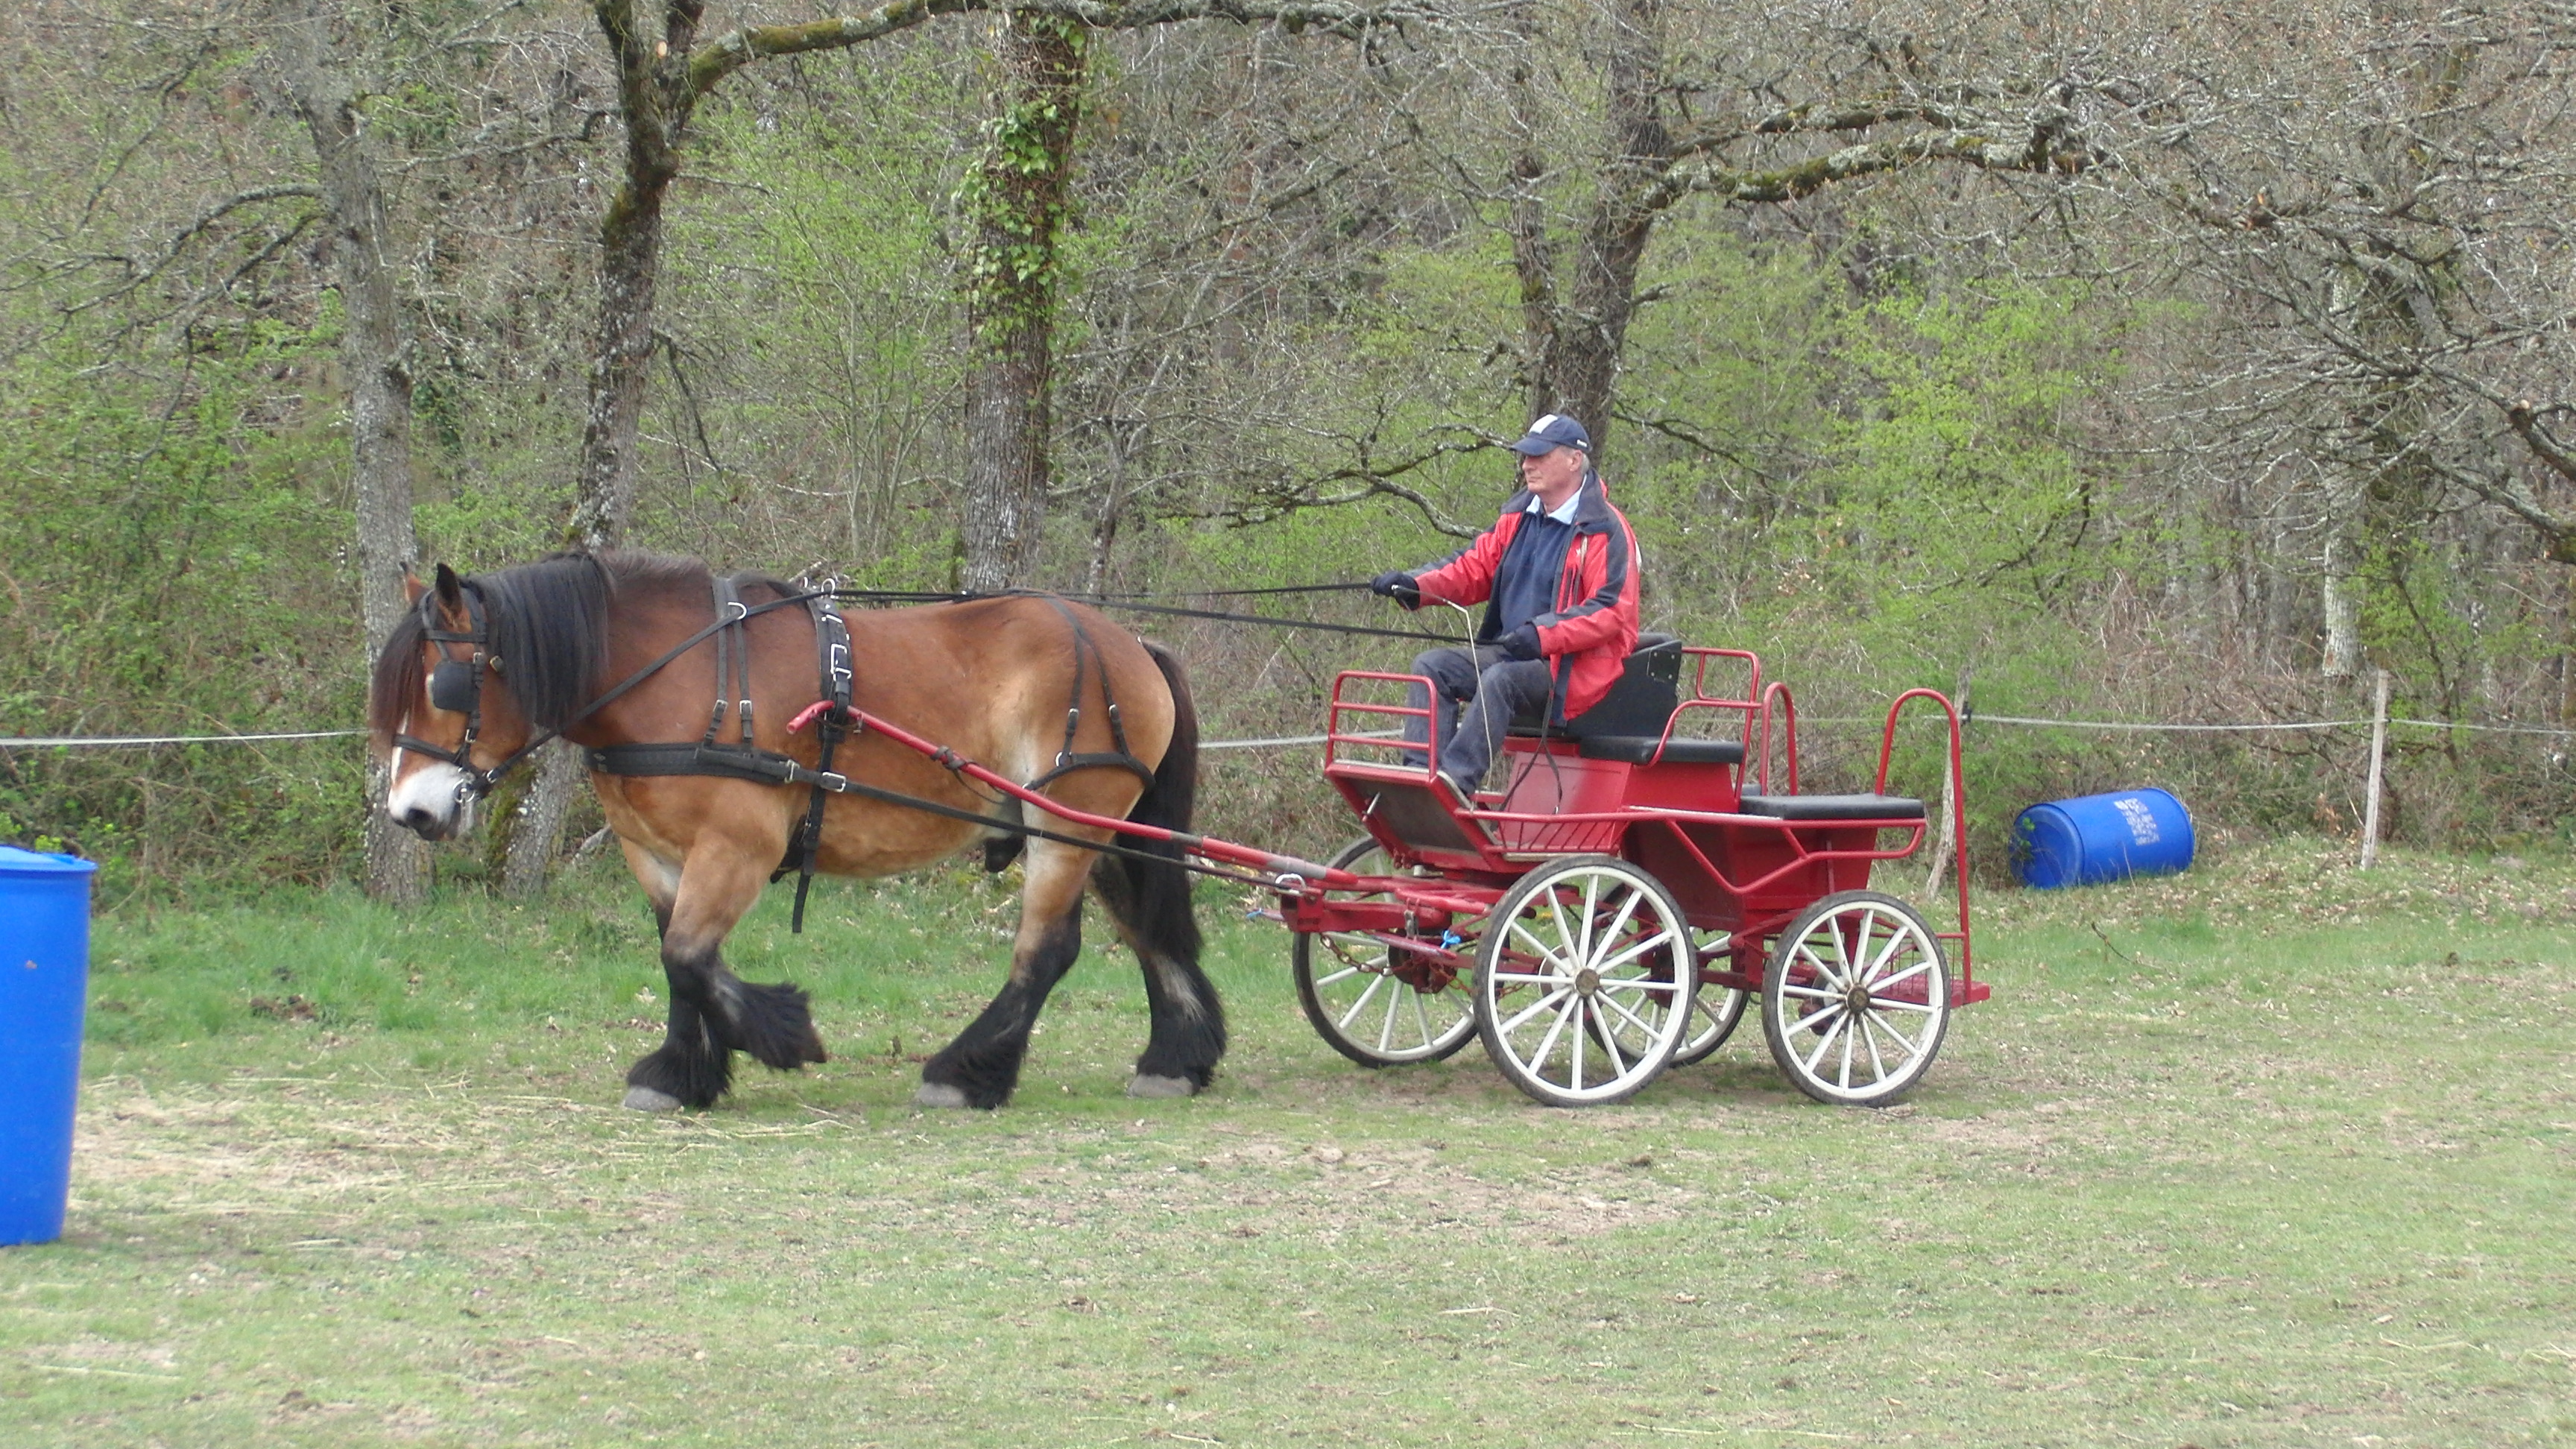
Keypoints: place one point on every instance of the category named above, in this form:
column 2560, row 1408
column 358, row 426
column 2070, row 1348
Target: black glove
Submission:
column 1398, row 585
column 1521, row 643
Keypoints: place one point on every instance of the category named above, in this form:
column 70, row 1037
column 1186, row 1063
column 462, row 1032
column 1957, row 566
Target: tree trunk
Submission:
column 1637, row 149
column 655, row 96
column 372, row 345
column 1573, row 332
column 1016, row 198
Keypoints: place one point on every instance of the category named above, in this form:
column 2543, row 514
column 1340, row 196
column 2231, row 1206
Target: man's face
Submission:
column 1554, row 474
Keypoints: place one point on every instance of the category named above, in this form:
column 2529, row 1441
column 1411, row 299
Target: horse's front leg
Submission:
column 982, row 1065
column 713, row 1012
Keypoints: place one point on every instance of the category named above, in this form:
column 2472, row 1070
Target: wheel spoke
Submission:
column 1602, row 940
column 1624, row 957
column 1610, row 1043
column 1556, row 915
column 1909, row 973
column 1547, row 979
column 1422, row 1020
column 1547, row 1043
column 1642, row 983
column 1896, row 942
column 1547, row 953
column 1840, row 1021
column 1824, row 969
column 1344, row 974
column 1875, row 1027
column 1522, row 1017
column 1848, row 1034
column 1809, row 993
column 1639, row 1022
column 1582, row 924
column 1353, row 1014
column 1386, row 1028
column 1913, row 1048
column 1869, row 1036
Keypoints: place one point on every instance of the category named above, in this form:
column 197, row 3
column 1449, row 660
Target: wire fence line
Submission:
column 32, row 742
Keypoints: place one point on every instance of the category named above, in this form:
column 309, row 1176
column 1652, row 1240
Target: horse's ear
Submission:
column 451, row 598
column 413, row 588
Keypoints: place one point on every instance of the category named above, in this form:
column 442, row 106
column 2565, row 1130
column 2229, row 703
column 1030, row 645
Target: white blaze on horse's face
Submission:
column 428, row 800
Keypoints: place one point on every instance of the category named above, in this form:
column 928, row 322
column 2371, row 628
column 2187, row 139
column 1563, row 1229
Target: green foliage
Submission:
column 174, row 565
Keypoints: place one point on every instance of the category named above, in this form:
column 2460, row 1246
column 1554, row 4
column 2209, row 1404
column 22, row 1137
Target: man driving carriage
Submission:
column 1558, row 576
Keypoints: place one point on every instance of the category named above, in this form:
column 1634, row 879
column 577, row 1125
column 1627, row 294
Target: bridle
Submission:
column 456, row 687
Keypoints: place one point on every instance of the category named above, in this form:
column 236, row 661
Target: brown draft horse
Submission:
column 990, row 678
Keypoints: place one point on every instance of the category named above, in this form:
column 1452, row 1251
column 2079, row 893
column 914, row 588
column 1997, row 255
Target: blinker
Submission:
column 452, row 686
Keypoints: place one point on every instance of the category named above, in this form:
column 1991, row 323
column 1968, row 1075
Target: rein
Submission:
column 453, row 678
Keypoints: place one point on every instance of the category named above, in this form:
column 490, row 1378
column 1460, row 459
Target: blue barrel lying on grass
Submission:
column 2097, row 838
column 44, row 979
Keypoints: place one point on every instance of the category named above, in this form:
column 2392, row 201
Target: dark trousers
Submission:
column 1491, row 687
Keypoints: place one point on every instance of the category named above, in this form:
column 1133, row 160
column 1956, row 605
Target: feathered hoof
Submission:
column 1160, row 1088
column 941, row 1096
column 645, row 1099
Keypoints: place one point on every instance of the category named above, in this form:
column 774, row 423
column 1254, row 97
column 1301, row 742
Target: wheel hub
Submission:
column 1857, row 999
column 1587, row 982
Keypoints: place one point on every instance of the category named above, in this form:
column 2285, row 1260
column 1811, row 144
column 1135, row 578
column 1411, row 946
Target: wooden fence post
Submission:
column 2378, row 756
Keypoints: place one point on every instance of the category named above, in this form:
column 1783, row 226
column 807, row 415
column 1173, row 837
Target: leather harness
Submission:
column 834, row 721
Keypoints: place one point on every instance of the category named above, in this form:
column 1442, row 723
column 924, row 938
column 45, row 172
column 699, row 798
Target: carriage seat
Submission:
column 1640, row 703
column 1640, row 750
column 1832, row 807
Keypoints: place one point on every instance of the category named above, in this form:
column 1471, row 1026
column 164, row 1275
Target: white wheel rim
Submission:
column 1856, row 1010
column 1586, row 992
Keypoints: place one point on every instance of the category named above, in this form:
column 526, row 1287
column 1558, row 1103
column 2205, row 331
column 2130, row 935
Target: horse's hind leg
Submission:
column 1151, row 903
column 713, row 1012
column 982, row 1066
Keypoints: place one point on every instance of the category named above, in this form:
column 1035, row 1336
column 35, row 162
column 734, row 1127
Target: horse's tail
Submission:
column 1159, row 889
column 1150, row 895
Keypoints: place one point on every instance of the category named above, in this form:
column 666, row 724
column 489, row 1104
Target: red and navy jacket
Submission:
column 1586, row 639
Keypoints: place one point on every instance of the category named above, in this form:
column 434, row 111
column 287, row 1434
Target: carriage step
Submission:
column 1833, row 807
column 1640, row 749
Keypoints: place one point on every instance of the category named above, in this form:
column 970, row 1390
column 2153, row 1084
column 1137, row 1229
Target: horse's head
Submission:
column 439, row 708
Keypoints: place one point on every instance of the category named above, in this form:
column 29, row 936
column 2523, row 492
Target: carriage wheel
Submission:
column 1370, row 1002
column 1585, row 981
column 1715, row 1013
column 1855, row 999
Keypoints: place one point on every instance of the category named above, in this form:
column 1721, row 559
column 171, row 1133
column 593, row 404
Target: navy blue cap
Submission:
column 1550, row 433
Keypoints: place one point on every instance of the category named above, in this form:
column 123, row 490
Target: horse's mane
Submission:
column 549, row 625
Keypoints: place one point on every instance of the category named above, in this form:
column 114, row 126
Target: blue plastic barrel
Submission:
column 44, row 979
column 2097, row 838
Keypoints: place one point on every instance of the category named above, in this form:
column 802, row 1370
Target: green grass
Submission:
column 2268, row 1154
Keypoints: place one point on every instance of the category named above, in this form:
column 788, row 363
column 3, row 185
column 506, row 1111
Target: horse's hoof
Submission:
column 645, row 1099
column 939, row 1094
column 1160, row 1088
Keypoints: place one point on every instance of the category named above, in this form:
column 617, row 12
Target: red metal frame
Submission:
column 1743, row 874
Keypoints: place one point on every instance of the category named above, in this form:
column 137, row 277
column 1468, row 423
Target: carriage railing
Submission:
column 1703, row 658
column 1958, row 822
column 1788, row 712
column 1335, row 736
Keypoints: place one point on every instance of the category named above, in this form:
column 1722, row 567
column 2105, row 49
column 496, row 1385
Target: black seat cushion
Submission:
column 1639, row 702
column 1833, row 807
column 1640, row 749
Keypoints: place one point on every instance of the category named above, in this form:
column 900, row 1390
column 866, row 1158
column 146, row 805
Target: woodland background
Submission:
column 2130, row 362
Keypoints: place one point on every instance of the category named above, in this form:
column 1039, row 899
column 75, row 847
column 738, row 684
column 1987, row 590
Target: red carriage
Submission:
column 1614, row 907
